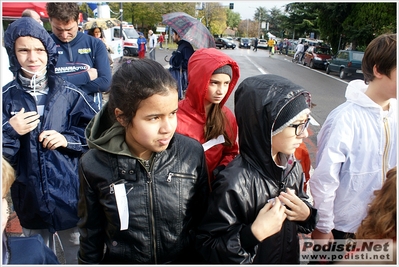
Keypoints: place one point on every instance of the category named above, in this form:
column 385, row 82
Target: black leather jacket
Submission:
column 250, row 180
column 165, row 204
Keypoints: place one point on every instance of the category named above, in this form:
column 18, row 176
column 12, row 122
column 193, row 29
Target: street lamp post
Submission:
column 260, row 18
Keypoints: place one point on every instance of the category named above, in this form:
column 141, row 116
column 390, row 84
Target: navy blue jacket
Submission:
column 45, row 193
column 15, row 250
column 76, row 57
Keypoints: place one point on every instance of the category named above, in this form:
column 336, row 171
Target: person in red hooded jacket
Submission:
column 202, row 114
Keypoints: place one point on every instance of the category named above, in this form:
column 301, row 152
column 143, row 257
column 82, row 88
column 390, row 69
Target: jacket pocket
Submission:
column 174, row 175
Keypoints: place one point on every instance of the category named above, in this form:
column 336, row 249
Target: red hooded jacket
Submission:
column 191, row 115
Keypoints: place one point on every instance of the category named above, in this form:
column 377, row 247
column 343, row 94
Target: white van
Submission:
column 130, row 37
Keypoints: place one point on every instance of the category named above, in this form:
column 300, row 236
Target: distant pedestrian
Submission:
column 299, row 51
column 179, row 61
column 280, row 47
column 270, row 45
column 255, row 44
column 142, row 45
column 288, row 44
column 98, row 33
column 152, row 43
column 161, row 39
column 305, row 48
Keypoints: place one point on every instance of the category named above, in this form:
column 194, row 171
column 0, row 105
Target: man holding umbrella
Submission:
column 178, row 62
column 187, row 31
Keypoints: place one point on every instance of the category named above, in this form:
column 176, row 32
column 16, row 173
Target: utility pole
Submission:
column 260, row 18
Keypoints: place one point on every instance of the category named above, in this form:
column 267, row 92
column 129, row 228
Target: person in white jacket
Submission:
column 357, row 145
column 152, row 43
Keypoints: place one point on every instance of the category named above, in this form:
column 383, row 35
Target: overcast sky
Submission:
column 247, row 8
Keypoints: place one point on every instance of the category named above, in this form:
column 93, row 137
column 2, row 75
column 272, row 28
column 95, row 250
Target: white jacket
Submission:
column 152, row 40
column 357, row 145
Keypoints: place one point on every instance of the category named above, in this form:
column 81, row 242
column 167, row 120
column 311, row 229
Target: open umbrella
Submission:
column 102, row 23
column 189, row 29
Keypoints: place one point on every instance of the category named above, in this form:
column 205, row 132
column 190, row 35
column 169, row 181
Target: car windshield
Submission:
column 358, row 56
column 131, row 33
column 244, row 40
column 323, row 50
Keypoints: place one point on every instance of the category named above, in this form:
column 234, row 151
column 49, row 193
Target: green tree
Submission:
column 233, row 19
column 368, row 20
column 261, row 14
column 303, row 18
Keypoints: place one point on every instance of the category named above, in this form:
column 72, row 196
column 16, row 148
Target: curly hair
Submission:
column 380, row 221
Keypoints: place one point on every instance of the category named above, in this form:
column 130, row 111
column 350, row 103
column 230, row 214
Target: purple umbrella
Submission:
column 189, row 29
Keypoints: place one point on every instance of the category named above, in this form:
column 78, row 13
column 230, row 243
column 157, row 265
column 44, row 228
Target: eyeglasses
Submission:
column 301, row 127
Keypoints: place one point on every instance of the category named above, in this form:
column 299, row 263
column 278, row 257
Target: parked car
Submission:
column 317, row 56
column 262, row 43
column 346, row 62
column 244, row 42
column 222, row 42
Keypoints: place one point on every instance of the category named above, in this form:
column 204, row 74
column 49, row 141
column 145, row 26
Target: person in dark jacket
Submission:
column 257, row 204
column 44, row 118
column 82, row 60
column 179, row 62
column 15, row 248
column 143, row 186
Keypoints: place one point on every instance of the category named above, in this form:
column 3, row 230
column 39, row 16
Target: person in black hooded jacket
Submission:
column 257, row 204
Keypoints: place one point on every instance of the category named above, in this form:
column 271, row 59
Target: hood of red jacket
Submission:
column 201, row 66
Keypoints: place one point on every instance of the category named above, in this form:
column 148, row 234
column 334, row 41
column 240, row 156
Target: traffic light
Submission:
column 231, row 6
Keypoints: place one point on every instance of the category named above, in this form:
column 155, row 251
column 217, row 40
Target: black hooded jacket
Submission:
column 252, row 178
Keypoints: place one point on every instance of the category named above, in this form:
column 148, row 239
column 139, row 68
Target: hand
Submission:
column 52, row 139
column 298, row 210
column 92, row 73
column 24, row 122
column 317, row 235
column 269, row 220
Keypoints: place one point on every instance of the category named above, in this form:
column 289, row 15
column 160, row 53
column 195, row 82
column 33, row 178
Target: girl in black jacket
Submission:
column 257, row 204
column 143, row 186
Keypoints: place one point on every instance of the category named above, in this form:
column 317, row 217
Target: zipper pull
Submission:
column 169, row 179
column 111, row 189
